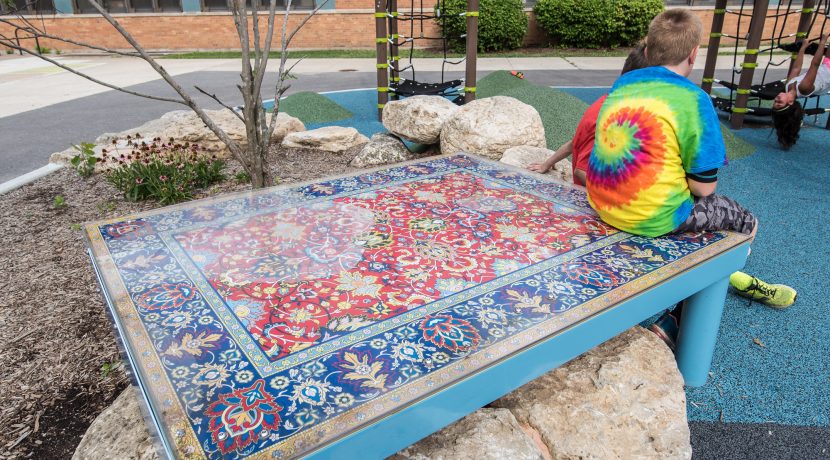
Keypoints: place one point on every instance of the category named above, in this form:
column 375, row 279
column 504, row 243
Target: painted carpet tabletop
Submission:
column 270, row 323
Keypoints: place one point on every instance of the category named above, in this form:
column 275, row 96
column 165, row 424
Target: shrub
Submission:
column 596, row 23
column 166, row 172
column 502, row 24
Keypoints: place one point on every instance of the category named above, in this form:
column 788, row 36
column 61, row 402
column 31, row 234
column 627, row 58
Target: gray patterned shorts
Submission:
column 717, row 212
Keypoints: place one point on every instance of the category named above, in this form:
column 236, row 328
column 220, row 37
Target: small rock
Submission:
column 623, row 399
column 492, row 125
column 185, row 126
column 118, row 433
column 382, row 149
column 330, row 139
column 524, row 155
column 485, row 434
column 418, row 118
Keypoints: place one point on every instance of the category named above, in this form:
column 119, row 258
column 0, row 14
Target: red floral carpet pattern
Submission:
column 303, row 275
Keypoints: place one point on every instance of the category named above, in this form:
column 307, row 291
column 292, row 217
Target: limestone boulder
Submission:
column 382, row 149
column 623, row 399
column 485, row 434
column 184, row 126
column 118, row 433
column 334, row 139
column 418, row 118
column 524, row 155
column 492, row 125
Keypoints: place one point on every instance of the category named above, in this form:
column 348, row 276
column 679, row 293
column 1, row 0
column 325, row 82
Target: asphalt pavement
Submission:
column 27, row 139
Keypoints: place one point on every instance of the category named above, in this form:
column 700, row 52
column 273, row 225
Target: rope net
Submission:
column 784, row 37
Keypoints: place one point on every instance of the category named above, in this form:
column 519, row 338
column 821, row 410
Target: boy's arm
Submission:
column 561, row 153
column 808, row 84
column 703, row 183
column 701, row 189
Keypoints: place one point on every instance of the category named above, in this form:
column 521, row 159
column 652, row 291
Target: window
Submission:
column 27, row 7
column 129, row 6
column 224, row 5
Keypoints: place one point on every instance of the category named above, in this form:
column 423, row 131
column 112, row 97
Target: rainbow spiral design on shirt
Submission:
column 620, row 161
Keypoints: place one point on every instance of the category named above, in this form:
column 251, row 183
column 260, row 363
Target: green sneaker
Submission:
column 774, row 295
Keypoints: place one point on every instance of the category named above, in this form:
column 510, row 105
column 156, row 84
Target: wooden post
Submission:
column 472, row 50
column 756, row 29
column 807, row 10
column 714, row 45
column 382, row 65
column 394, row 57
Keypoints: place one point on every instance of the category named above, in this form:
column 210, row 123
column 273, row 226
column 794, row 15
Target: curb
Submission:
column 29, row 177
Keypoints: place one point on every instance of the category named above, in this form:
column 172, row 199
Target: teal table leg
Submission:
column 699, row 331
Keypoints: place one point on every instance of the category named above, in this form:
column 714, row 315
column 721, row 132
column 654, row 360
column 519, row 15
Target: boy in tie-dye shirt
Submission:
column 658, row 148
column 658, row 144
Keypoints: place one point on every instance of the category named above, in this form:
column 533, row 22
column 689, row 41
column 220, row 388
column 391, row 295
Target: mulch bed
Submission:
column 60, row 361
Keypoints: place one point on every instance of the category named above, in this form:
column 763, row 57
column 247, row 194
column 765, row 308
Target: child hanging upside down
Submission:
column 579, row 148
column 788, row 113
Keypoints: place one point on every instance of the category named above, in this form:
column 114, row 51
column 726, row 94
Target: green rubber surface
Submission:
column 311, row 107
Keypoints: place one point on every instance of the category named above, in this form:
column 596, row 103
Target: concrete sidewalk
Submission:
column 28, row 83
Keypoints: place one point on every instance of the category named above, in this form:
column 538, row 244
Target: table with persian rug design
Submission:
column 350, row 317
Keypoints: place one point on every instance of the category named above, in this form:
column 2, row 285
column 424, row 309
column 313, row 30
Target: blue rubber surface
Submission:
column 363, row 104
column 786, row 379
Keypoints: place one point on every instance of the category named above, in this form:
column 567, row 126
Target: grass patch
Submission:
column 311, row 107
column 560, row 111
column 417, row 53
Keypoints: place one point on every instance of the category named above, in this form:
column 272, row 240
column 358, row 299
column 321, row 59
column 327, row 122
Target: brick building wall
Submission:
column 349, row 26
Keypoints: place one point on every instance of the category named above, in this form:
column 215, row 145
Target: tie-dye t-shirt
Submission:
column 655, row 127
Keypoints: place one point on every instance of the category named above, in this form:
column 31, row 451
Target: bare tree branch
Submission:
column 266, row 53
column 91, row 78
column 216, row 98
column 41, row 34
column 257, row 49
column 254, row 157
column 302, row 23
column 223, row 136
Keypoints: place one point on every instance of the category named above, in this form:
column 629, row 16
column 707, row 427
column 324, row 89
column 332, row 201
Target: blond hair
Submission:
column 672, row 36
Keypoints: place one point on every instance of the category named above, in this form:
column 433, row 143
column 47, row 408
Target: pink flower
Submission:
column 139, row 180
column 162, row 178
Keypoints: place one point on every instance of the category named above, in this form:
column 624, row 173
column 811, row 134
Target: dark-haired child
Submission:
column 787, row 111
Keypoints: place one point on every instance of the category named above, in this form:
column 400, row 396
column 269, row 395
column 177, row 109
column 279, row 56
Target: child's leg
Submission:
column 717, row 212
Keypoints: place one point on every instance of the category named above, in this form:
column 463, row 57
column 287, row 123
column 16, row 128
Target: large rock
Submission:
column 492, row 125
column 523, row 155
column 485, row 434
column 624, row 399
column 118, row 433
column 330, row 139
column 185, row 126
column 418, row 118
column 380, row 150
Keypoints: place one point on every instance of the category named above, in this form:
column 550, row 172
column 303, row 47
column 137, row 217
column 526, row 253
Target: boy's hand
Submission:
column 538, row 167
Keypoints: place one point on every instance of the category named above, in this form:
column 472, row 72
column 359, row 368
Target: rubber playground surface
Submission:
column 770, row 366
